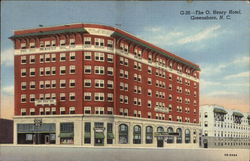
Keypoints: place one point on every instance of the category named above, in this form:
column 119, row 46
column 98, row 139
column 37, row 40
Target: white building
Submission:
column 224, row 128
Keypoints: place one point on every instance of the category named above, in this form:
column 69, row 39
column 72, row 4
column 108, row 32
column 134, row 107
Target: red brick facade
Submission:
column 128, row 62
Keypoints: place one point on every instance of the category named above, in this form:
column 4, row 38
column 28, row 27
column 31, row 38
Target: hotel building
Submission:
column 95, row 85
column 224, row 128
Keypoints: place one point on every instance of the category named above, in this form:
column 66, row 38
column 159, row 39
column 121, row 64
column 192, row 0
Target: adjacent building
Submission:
column 95, row 85
column 224, row 128
column 6, row 131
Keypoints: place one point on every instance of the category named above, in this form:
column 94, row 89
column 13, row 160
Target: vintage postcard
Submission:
column 125, row 81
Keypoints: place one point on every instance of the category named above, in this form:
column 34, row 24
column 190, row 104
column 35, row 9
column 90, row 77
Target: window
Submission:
column 87, row 110
column 32, row 111
column 149, row 103
column 53, row 84
column 23, row 98
column 47, row 43
column 53, row 42
column 23, row 45
column 110, row 135
column 87, row 83
column 99, row 96
column 99, row 56
column 87, row 40
column 110, row 110
column 62, row 42
column 68, row 130
column 53, row 70
column 99, row 83
column 87, row 55
column 110, row 84
column 47, row 84
column 47, row 71
column 110, row 71
column 72, row 41
column 126, row 74
column 170, row 139
column 99, row 70
column 110, row 58
column 87, row 69
column 41, row 58
column 187, row 136
column 179, row 137
column 87, row 96
column 32, row 44
column 72, row 56
column 149, row 135
column 125, row 61
column 170, row 77
column 23, row 60
column 71, row 110
column 149, row 70
column 149, row 81
column 72, row 96
column 32, row 59
column 110, row 44
column 62, row 83
column 62, row 97
column 32, row 85
column 23, row 72
column 99, row 42
column 137, row 134
column 99, row 110
column 110, row 97
column 23, row 111
column 62, row 56
column 149, row 92
column 72, row 69
column 62, row 70
column 72, row 83
column 123, row 134
column 47, row 58
column 126, row 99
column 87, row 133
column 23, row 85
column 32, row 98
column 32, row 72
column 41, row 44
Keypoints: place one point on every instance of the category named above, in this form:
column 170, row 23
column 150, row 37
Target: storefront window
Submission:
column 170, row 139
column 110, row 135
column 187, row 136
column 87, row 133
column 66, row 133
column 137, row 134
column 179, row 137
column 149, row 135
column 123, row 134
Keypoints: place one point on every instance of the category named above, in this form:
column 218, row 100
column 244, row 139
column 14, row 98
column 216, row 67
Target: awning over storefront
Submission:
column 31, row 128
column 220, row 110
column 66, row 135
column 87, row 135
column 99, row 135
column 238, row 114
column 110, row 136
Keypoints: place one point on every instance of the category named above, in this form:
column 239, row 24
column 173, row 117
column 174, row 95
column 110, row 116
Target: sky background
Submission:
column 220, row 47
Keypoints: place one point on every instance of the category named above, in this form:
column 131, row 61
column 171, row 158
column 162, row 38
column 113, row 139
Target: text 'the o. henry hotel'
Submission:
column 95, row 85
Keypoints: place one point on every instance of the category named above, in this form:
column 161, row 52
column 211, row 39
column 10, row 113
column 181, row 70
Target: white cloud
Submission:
column 8, row 90
column 205, row 34
column 7, row 57
column 221, row 93
column 205, row 83
column 212, row 69
column 239, row 75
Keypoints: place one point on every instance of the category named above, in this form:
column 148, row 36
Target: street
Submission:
column 74, row 153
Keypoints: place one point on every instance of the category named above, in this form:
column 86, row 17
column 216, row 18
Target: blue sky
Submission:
column 220, row 47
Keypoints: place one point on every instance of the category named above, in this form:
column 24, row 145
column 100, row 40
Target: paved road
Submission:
column 62, row 153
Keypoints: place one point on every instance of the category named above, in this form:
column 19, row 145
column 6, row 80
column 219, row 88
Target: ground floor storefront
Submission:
column 105, row 130
column 225, row 142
